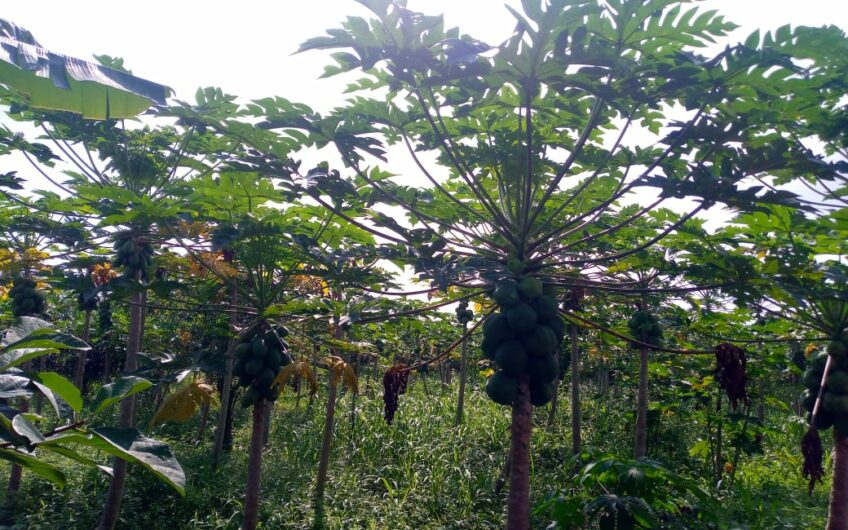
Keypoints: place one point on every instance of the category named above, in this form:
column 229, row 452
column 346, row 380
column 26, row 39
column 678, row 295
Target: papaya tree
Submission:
column 123, row 186
column 534, row 140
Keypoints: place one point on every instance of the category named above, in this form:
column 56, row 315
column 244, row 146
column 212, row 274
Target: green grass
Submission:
column 419, row 473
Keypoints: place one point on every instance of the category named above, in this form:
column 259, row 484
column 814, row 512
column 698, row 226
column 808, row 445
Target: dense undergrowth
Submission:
column 422, row 473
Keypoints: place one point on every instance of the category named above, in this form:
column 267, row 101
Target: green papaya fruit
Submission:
column 521, row 317
column 837, row 381
column 502, row 388
column 812, row 377
column 253, row 365
column 541, row 340
column 128, row 247
column 274, row 360
column 497, row 327
column 489, row 346
column 530, row 288
column 835, row 404
column 250, row 397
column 258, row 348
column 546, row 308
column 515, row 265
column 541, row 394
column 511, row 357
column 823, row 420
column 542, row 368
column 265, row 378
column 242, row 350
column 506, row 293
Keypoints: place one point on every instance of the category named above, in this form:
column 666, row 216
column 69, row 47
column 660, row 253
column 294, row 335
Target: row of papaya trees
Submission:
column 597, row 170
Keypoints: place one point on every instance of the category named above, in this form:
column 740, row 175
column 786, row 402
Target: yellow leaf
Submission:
column 293, row 372
column 102, row 273
column 810, row 349
column 182, row 404
column 349, row 379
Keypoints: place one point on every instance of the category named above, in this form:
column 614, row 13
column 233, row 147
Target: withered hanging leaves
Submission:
column 811, row 448
column 394, row 384
column 181, row 405
column 298, row 370
column 730, row 372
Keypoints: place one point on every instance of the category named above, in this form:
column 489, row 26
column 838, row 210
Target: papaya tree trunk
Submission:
column 226, row 386
column 115, row 493
column 518, row 504
column 353, row 394
column 463, row 374
column 79, row 369
column 553, row 412
column 837, row 517
column 254, row 467
column 641, row 444
column 204, row 421
column 718, row 457
column 326, row 444
column 575, row 391
column 327, row 438
column 16, row 470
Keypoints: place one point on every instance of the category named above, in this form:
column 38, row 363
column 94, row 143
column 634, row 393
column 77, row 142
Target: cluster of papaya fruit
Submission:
column 463, row 314
column 259, row 358
column 645, row 327
column 132, row 252
column 833, row 411
column 26, row 299
column 523, row 339
column 87, row 301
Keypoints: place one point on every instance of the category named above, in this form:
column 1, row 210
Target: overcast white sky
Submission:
column 246, row 47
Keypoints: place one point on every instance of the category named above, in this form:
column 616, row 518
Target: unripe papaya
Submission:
column 265, row 378
column 506, row 293
column 542, row 368
column 541, row 340
column 521, row 318
column 243, row 349
column 253, row 365
column 541, row 394
column 836, row 404
column 497, row 327
column 511, row 357
column 258, row 348
column 502, row 388
column 250, row 397
column 530, row 288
